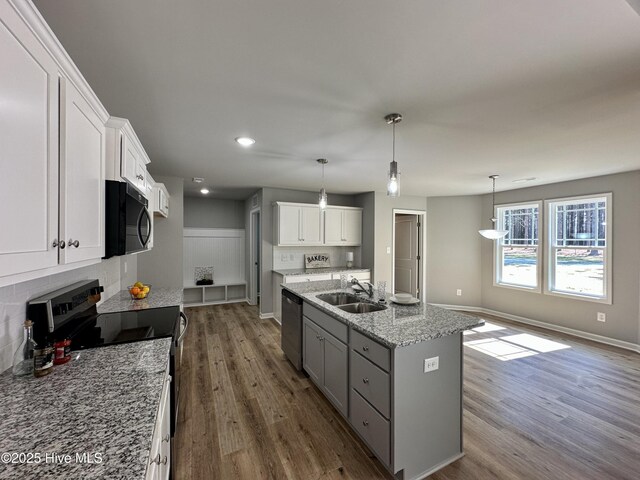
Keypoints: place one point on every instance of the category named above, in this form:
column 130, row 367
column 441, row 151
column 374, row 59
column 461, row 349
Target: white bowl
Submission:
column 403, row 297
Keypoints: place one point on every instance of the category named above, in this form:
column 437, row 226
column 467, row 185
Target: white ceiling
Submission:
column 546, row 88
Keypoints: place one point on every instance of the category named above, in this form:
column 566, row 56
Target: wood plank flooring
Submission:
column 554, row 413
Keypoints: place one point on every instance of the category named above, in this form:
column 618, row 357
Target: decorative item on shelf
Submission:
column 316, row 260
column 349, row 259
column 393, row 185
column 493, row 233
column 203, row 275
column 322, row 197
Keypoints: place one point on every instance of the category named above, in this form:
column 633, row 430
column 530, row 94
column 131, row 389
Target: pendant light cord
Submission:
column 393, row 148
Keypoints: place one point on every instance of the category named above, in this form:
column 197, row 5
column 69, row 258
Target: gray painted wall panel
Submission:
column 213, row 213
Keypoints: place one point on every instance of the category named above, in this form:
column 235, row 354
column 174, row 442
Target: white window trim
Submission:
column 607, row 255
column 539, row 265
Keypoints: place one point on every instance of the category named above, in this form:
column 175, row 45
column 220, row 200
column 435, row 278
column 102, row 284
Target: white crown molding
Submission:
column 33, row 19
column 123, row 125
column 634, row 347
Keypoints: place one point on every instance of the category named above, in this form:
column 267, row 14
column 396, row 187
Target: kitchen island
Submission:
column 394, row 374
column 94, row 417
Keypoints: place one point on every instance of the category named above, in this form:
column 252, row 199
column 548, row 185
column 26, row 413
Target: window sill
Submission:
column 520, row 288
column 577, row 296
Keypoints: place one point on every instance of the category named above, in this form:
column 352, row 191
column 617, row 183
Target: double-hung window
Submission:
column 579, row 258
column 518, row 252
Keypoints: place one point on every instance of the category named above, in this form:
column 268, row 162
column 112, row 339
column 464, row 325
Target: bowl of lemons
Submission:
column 139, row 290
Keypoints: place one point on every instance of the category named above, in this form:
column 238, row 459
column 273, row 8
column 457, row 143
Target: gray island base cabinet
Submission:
column 411, row 420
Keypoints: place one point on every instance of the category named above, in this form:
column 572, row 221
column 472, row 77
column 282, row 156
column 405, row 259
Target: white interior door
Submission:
column 406, row 254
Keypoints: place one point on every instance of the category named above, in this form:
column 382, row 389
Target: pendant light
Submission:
column 493, row 233
column 393, row 185
column 322, row 198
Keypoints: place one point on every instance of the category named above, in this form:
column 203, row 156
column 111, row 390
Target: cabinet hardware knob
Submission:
column 156, row 460
column 57, row 243
column 74, row 243
column 164, row 460
column 365, row 348
column 364, row 422
column 365, row 380
column 166, row 438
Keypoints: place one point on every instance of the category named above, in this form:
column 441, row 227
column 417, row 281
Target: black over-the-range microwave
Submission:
column 127, row 220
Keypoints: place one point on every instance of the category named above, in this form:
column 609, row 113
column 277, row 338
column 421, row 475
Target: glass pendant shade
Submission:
column 393, row 186
column 493, row 233
column 322, row 199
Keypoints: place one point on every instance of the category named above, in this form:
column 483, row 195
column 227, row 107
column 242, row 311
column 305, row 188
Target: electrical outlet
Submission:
column 291, row 257
column 431, row 364
column 459, row 292
column 601, row 317
column 283, row 257
column 125, row 266
column 389, row 250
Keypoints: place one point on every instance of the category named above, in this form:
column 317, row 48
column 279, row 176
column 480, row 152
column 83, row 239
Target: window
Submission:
column 579, row 247
column 518, row 253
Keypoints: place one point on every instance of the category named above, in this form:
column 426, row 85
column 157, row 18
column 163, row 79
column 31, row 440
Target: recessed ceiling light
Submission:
column 204, row 191
column 245, row 141
column 197, row 179
column 522, row 180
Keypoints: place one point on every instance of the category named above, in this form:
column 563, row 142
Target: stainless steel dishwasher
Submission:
column 291, row 333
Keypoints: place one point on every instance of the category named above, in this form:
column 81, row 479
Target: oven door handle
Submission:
column 186, row 324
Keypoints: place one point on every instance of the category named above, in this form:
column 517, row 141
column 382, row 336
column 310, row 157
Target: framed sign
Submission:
column 316, row 260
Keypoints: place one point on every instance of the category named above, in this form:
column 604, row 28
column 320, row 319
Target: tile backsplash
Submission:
column 14, row 298
column 293, row 257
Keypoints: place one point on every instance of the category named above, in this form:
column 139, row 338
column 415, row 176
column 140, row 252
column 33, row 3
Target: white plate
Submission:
column 411, row 301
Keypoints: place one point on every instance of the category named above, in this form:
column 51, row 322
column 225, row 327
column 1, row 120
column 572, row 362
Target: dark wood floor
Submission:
column 563, row 410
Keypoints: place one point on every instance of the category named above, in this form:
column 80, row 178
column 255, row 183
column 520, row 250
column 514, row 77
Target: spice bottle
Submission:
column 62, row 351
column 43, row 360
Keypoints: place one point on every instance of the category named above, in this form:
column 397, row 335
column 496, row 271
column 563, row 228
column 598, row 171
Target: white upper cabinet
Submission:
column 299, row 224
column 160, row 200
column 28, row 149
column 343, row 226
column 52, row 152
column 82, row 165
column 126, row 157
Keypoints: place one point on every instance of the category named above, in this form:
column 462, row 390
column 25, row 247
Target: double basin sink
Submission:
column 350, row 303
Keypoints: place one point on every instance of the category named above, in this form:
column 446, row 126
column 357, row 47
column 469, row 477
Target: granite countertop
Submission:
column 311, row 271
column 157, row 298
column 102, row 403
column 398, row 325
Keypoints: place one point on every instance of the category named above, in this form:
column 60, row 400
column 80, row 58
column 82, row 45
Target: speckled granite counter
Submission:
column 316, row 271
column 157, row 298
column 398, row 326
column 104, row 402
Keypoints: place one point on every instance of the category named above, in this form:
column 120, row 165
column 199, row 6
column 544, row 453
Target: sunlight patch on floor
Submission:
column 533, row 342
column 514, row 346
column 488, row 327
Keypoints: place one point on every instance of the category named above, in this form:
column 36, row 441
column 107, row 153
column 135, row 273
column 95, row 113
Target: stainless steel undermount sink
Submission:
column 339, row 298
column 361, row 307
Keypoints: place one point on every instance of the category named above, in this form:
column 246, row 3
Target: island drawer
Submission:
column 332, row 325
column 370, row 349
column 371, row 382
column 372, row 426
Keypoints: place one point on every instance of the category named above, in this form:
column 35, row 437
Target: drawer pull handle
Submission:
column 365, row 348
column 364, row 422
column 365, row 380
column 166, row 439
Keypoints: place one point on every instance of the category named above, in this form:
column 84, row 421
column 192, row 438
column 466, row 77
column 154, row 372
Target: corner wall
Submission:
column 162, row 266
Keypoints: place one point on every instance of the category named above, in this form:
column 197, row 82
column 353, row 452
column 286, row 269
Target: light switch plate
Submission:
column 389, row 250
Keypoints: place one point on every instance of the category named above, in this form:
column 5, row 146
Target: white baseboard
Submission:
column 264, row 316
column 549, row 326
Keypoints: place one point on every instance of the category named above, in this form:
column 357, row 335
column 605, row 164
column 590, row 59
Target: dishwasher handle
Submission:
column 186, row 324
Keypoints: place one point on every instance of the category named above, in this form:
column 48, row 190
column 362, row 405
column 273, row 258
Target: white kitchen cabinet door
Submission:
column 311, row 225
column 133, row 168
column 28, row 149
column 333, row 226
column 352, row 226
column 82, row 164
column 289, row 225
column 160, row 200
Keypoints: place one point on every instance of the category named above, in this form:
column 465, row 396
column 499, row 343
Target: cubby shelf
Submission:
column 197, row 295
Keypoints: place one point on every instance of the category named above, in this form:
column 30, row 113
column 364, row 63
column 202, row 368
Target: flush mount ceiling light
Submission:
column 493, row 233
column 197, row 179
column 393, row 185
column 245, row 141
column 204, row 191
column 322, row 197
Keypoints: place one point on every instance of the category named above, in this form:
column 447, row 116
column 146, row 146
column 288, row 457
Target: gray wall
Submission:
column 162, row 266
column 384, row 206
column 269, row 196
column 200, row 212
column 623, row 316
column 367, row 202
column 454, row 250
column 246, row 213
